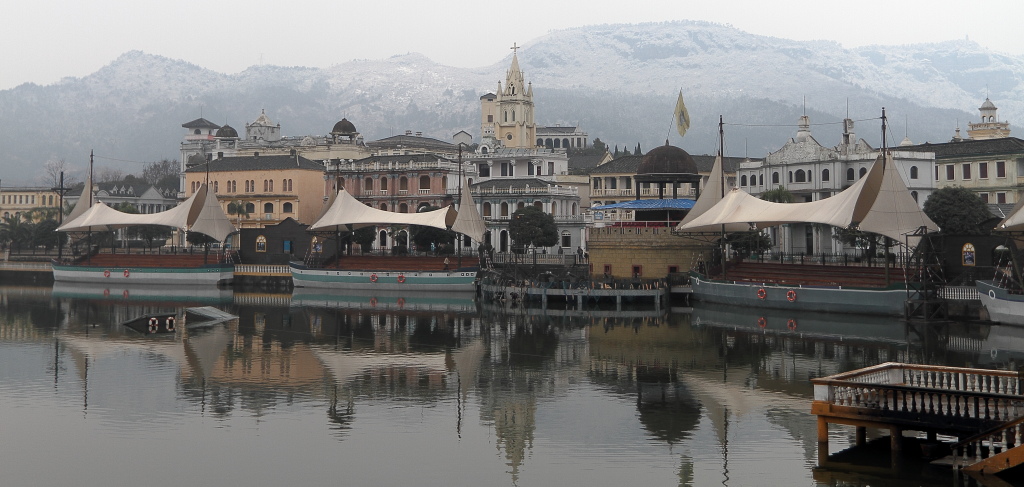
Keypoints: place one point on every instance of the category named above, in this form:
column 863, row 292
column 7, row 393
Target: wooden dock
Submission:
column 983, row 409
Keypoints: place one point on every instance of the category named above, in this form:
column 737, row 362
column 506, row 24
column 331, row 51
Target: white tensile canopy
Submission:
column 200, row 213
column 1014, row 222
column 877, row 203
column 347, row 210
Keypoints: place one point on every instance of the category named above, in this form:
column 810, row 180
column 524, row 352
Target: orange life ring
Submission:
column 791, row 324
column 401, row 302
column 373, row 277
column 761, row 293
column 762, row 322
column 126, row 273
column 791, row 295
column 106, row 273
column 373, row 302
column 401, row 278
column 169, row 323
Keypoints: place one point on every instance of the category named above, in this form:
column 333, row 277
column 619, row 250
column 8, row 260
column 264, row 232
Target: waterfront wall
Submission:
column 653, row 251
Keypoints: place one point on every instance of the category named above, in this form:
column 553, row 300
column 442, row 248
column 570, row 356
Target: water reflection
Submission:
column 520, row 396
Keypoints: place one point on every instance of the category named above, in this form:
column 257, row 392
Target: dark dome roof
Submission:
column 667, row 159
column 226, row 132
column 344, row 127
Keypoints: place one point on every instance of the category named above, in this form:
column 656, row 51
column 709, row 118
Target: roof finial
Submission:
column 514, row 48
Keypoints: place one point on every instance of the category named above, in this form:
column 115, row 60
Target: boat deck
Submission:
column 814, row 274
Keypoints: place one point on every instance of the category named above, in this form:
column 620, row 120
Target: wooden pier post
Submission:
column 861, row 435
column 822, row 440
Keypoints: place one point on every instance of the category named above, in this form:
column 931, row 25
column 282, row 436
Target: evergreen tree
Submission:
column 638, row 152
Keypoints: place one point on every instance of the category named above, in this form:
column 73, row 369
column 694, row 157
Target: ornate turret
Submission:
column 990, row 127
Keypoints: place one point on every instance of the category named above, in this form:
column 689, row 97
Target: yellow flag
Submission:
column 682, row 116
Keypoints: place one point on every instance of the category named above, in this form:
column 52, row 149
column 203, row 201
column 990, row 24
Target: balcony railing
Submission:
column 540, row 190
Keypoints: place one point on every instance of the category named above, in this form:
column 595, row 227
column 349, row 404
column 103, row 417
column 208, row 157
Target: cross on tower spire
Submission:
column 514, row 48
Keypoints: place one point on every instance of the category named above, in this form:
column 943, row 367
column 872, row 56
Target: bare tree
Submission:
column 51, row 173
column 162, row 174
column 107, row 175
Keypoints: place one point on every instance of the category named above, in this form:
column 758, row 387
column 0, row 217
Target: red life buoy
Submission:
column 126, row 273
column 761, row 293
column 124, row 294
column 106, row 293
column 153, row 325
column 791, row 324
column 762, row 322
column 401, row 302
column 373, row 277
column 791, row 295
column 106, row 273
column 169, row 323
column 373, row 302
column 401, row 278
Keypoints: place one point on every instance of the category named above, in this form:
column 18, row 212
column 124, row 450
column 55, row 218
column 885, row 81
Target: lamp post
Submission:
column 60, row 190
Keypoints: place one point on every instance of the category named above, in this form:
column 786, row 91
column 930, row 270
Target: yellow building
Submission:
column 271, row 187
column 21, row 201
column 989, row 127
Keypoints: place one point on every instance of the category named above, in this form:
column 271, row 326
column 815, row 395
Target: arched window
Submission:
column 504, row 210
column 271, row 185
column 444, row 183
column 261, row 243
column 424, row 182
column 287, row 208
column 863, row 171
column 265, row 186
column 789, row 176
column 850, row 174
column 520, row 206
column 403, row 208
column 403, row 184
column 913, row 172
column 540, row 142
column 565, row 143
column 566, row 241
column 824, row 174
column 383, row 184
column 743, row 180
column 574, row 209
column 268, row 207
column 775, row 178
column 760, row 179
column 801, row 176
column 368, row 184
column 197, row 132
column 384, row 207
column 558, row 143
column 250, row 208
column 383, row 236
column 487, row 209
column 538, row 205
column 554, row 207
column 216, row 186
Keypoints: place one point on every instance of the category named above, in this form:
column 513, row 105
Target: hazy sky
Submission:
column 45, row 40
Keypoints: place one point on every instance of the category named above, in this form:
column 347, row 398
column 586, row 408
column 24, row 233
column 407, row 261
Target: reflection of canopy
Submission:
column 347, row 210
column 467, row 363
column 878, row 203
column 200, row 213
column 347, row 365
column 659, row 204
column 204, row 347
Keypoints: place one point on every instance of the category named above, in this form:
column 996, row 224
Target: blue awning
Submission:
column 666, row 204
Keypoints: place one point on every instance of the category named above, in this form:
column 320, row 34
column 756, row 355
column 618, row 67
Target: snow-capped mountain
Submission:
column 619, row 82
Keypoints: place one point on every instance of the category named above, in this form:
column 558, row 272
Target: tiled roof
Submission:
column 249, row 163
column 620, row 165
column 966, row 148
column 200, row 123
column 558, row 129
column 729, row 164
column 512, row 183
column 585, row 162
column 411, row 141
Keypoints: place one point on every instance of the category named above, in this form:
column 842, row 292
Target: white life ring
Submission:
column 169, row 323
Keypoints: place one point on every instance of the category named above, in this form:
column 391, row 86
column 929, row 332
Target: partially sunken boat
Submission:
column 201, row 213
column 877, row 203
column 398, row 273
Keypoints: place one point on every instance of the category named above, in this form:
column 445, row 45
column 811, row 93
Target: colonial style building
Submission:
column 412, row 144
column 507, row 118
column 989, row 161
column 811, row 172
column 563, row 138
column 205, row 140
column 21, row 201
column 269, row 187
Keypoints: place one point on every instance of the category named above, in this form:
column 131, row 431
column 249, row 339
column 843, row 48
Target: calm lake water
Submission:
column 331, row 389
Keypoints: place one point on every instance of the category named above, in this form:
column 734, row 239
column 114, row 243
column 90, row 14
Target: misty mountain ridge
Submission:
column 618, row 82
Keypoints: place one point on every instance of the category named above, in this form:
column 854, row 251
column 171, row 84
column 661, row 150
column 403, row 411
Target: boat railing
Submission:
column 960, row 293
column 900, row 259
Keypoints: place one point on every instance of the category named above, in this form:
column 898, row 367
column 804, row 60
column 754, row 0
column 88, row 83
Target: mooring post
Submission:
column 822, row 440
column 861, row 435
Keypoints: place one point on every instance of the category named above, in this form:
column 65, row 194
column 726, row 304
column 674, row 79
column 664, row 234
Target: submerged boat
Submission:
column 877, row 203
column 397, row 273
column 201, row 213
